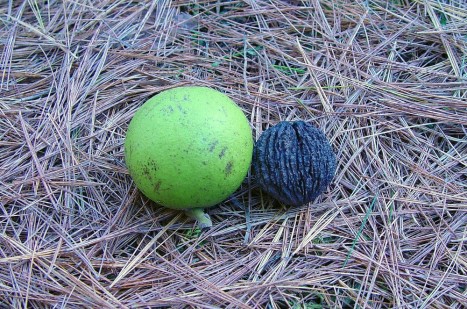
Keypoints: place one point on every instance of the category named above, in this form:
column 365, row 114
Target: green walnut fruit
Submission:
column 189, row 148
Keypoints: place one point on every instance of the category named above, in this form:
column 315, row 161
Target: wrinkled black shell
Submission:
column 293, row 162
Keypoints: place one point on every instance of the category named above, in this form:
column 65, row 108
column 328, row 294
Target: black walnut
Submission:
column 293, row 162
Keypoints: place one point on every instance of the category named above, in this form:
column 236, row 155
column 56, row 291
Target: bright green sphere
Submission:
column 188, row 147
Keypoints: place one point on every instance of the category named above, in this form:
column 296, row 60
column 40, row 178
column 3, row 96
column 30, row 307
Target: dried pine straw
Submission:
column 385, row 80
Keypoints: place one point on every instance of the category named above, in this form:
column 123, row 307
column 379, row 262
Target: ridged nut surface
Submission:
column 293, row 162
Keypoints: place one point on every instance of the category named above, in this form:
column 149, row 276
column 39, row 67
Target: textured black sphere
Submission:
column 293, row 162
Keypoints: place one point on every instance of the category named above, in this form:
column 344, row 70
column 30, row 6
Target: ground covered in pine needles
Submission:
column 385, row 80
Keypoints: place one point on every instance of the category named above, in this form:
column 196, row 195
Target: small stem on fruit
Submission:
column 204, row 221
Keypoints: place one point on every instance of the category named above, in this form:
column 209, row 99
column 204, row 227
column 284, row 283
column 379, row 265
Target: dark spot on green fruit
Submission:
column 213, row 145
column 228, row 168
column 146, row 171
column 222, row 109
column 167, row 110
column 222, row 153
column 181, row 109
column 157, row 186
column 153, row 165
